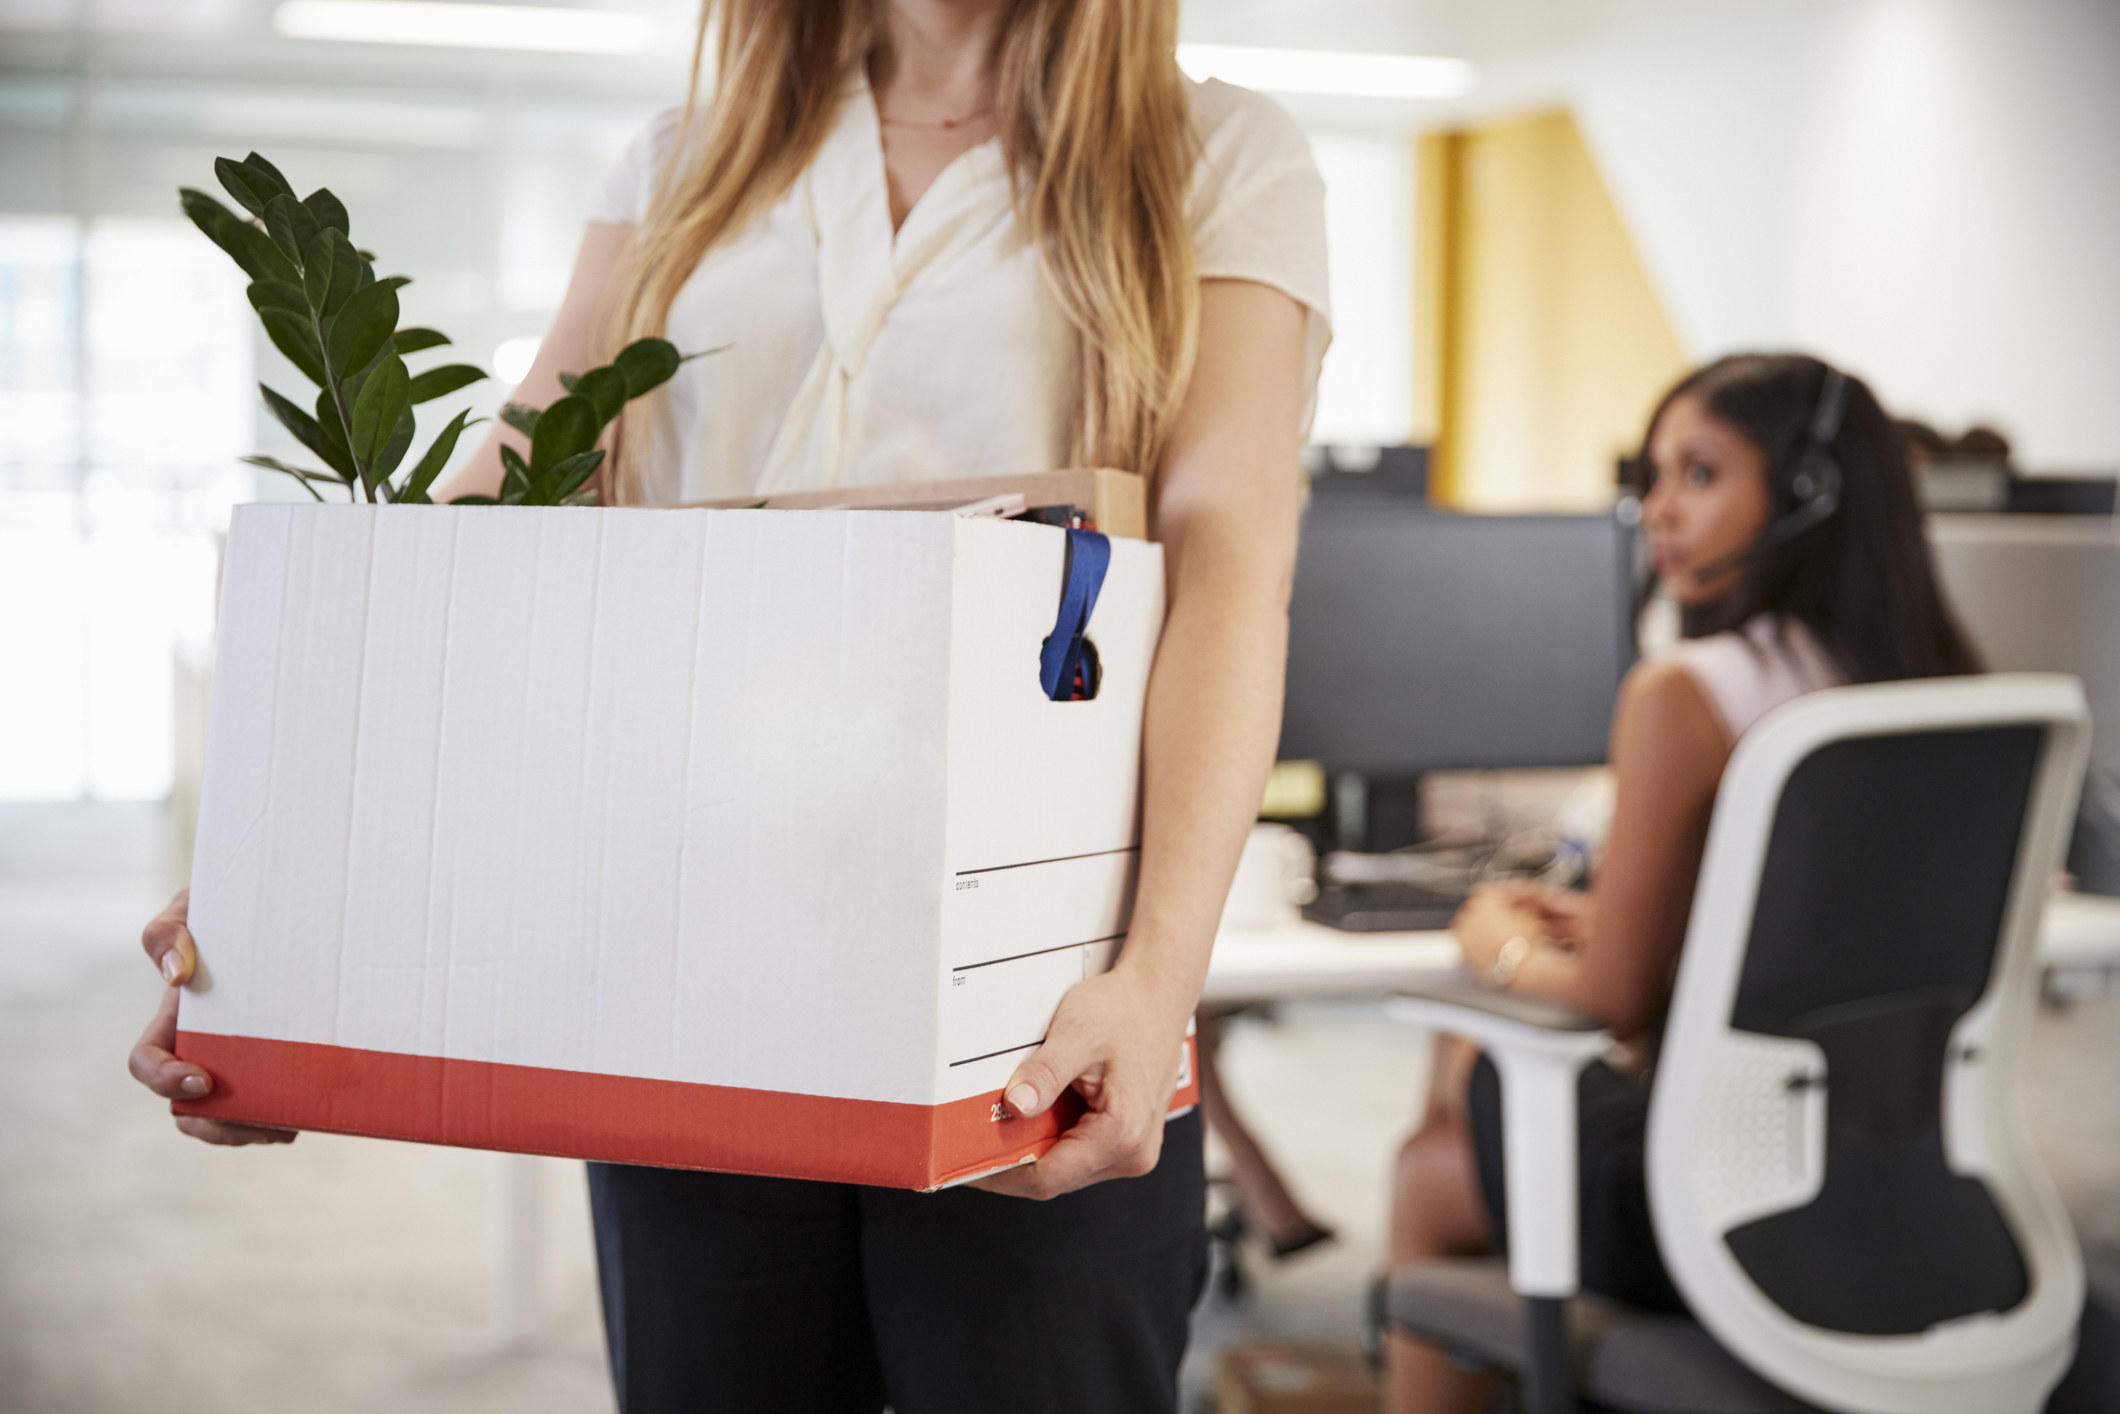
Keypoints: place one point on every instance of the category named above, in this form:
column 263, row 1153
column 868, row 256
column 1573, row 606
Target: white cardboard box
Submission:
column 739, row 840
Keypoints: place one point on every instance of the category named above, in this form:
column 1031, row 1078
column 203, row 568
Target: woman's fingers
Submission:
column 154, row 1064
column 168, row 942
column 1101, row 1145
column 1123, row 1061
column 220, row 1131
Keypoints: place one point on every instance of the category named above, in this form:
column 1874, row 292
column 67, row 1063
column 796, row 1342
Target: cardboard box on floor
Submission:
column 739, row 840
column 1295, row 1379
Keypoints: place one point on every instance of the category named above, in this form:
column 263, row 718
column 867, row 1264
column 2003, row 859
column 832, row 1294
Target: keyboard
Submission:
column 1383, row 908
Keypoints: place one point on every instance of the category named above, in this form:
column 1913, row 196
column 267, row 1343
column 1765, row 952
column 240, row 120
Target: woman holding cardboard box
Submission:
column 964, row 237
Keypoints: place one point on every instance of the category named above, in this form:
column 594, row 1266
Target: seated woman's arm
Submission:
column 1613, row 954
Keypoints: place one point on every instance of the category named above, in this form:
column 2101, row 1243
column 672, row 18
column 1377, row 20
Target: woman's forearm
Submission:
column 1212, row 723
column 575, row 342
column 1227, row 502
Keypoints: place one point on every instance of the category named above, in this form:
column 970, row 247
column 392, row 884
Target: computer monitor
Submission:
column 1424, row 640
column 2041, row 593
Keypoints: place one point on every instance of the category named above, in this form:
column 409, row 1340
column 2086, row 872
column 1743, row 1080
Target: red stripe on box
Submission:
column 621, row 1119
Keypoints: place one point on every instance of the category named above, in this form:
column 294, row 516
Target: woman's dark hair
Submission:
column 1862, row 580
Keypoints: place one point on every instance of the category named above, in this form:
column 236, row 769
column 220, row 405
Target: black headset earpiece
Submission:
column 1816, row 482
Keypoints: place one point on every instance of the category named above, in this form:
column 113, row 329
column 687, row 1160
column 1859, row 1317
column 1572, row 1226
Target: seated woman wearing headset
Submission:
column 1782, row 517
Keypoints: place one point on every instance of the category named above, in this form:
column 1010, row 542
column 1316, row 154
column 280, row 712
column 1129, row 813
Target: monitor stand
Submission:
column 1375, row 814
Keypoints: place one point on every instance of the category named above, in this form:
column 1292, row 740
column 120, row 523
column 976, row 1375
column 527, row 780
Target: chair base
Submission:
column 1618, row 1357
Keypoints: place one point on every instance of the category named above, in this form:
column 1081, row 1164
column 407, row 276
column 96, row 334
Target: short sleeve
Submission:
column 1257, row 208
column 630, row 185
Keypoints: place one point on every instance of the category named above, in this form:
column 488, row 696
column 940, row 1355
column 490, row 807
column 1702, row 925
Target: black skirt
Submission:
column 1619, row 1254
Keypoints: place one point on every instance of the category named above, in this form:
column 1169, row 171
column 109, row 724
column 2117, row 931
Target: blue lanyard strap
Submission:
column 1088, row 556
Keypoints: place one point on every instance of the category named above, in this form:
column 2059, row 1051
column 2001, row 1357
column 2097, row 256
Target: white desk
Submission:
column 2081, row 938
column 1303, row 959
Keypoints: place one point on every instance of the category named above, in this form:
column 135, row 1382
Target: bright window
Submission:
column 125, row 387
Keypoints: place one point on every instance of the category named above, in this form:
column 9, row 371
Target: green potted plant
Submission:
column 323, row 306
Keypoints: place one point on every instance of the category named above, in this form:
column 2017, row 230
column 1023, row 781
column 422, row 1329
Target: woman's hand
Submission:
column 1564, row 912
column 154, row 1064
column 1490, row 917
column 1119, row 1046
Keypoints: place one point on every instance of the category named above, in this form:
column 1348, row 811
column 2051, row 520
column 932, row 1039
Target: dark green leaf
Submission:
column 568, row 476
column 568, row 380
column 520, row 416
column 604, row 387
column 317, row 262
column 250, row 189
column 296, row 337
column 362, row 327
column 515, row 477
column 261, row 168
column 438, row 454
column 376, row 411
column 345, row 272
column 254, row 251
column 328, row 210
column 309, row 432
column 475, row 501
column 582, row 498
column 647, row 364
column 334, row 429
column 271, row 294
column 210, row 217
column 387, row 460
column 565, row 429
column 367, row 255
column 414, row 340
column 447, row 379
column 290, row 225
column 301, row 474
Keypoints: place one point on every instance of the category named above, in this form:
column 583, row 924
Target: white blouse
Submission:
column 1748, row 671
column 858, row 356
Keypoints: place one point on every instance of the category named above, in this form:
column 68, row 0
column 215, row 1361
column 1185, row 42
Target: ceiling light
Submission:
column 1328, row 72
column 464, row 25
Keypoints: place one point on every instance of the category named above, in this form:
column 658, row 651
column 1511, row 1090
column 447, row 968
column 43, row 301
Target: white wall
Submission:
column 1925, row 190
column 1365, row 394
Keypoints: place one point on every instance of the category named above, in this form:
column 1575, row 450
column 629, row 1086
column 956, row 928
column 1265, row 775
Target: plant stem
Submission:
column 338, row 401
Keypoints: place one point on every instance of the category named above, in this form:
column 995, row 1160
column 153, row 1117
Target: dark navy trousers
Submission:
column 725, row 1294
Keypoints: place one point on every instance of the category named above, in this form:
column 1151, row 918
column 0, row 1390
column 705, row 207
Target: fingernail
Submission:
column 171, row 965
column 1023, row 1099
column 195, row 1085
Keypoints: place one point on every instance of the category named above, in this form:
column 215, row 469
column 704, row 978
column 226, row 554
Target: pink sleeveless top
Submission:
column 1750, row 670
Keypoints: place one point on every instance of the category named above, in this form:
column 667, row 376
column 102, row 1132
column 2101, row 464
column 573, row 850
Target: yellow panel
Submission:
column 1545, row 342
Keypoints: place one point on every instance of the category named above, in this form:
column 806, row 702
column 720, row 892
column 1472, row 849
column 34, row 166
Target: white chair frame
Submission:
column 1995, row 1364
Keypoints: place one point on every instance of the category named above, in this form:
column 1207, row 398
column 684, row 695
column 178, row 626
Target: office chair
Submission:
column 1839, row 1175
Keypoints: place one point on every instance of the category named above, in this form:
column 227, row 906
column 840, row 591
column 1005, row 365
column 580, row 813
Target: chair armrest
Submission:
column 1539, row 1047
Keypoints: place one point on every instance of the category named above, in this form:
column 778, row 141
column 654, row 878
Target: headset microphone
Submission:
column 1816, row 482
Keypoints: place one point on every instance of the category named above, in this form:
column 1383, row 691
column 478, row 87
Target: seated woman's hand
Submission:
column 154, row 1062
column 1564, row 912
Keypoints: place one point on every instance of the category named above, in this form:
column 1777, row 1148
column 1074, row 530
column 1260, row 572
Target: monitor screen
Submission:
column 1425, row 640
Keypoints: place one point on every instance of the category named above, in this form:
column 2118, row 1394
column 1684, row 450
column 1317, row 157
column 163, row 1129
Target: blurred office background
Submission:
column 1525, row 248
column 1528, row 243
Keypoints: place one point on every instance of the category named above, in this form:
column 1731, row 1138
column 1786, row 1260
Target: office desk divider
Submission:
column 722, row 839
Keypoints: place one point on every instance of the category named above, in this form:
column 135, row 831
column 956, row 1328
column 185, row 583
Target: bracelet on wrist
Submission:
column 1506, row 962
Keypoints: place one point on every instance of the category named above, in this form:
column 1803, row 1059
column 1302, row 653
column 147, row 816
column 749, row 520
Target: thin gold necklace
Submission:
column 942, row 125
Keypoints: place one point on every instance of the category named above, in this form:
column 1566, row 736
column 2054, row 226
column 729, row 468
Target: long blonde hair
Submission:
column 1098, row 136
